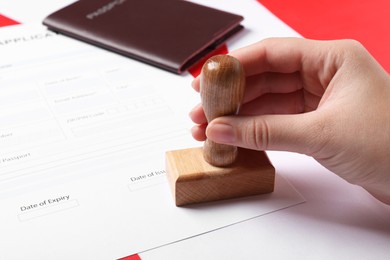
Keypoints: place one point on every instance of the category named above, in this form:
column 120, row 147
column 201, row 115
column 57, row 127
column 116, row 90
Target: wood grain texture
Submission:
column 222, row 86
column 193, row 180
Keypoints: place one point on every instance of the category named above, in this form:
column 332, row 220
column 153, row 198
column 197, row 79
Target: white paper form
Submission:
column 83, row 134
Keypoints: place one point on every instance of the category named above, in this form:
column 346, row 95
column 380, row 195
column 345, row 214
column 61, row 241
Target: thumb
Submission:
column 294, row 133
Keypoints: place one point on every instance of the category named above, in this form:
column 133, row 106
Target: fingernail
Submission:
column 221, row 133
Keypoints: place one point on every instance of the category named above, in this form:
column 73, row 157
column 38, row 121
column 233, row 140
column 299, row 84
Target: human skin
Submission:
column 326, row 99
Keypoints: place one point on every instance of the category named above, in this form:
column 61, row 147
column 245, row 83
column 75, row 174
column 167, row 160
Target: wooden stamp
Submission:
column 218, row 171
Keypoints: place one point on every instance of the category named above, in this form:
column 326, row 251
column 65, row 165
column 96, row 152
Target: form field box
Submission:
column 36, row 213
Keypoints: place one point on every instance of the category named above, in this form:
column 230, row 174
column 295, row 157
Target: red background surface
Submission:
column 367, row 21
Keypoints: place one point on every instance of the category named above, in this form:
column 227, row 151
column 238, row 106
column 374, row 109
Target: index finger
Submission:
column 284, row 56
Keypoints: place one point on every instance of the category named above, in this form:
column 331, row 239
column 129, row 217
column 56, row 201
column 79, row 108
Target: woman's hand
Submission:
column 327, row 99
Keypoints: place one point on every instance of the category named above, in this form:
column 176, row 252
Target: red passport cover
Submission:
column 169, row 34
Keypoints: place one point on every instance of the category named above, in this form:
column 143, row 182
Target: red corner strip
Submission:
column 131, row 257
column 5, row 21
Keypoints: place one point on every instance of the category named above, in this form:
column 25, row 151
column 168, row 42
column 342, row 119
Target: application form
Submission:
column 83, row 134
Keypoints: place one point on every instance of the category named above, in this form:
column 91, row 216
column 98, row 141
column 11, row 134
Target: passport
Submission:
column 169, row 34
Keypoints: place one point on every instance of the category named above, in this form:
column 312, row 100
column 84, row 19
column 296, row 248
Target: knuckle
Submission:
column 256, row 134
column 352, row 48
